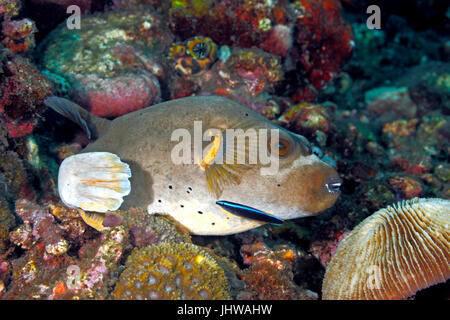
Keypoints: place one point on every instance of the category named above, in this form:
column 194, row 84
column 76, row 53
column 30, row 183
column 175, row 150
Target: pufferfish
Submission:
column 131, row 163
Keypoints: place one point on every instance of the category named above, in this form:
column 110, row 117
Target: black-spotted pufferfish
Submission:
column 131, row 164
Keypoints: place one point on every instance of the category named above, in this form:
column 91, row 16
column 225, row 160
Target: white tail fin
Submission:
column 94, row 181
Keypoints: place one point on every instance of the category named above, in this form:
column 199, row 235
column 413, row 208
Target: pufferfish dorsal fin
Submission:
column 228, row 156
column 93, row 126
column 94, row 181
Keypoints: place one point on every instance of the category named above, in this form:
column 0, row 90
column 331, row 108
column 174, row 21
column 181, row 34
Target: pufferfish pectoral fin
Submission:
column 94, row 181
column 236, row 148
column 220, row 176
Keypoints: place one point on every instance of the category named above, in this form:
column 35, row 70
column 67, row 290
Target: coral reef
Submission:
column 310, row 120
column 323, row 250
column 18, row 35
column 148, row 229
column 325, row 41
column 240, row 23
column 64, row 258
column 14, row 175
column 22, row 89
column 310, row 34
column 7, row 221
column 171, row 271
column 428, row 86
column 48, row 270
column 70, row 223
column 38, row 226
column 37, row 276
column 407, row 187
column 9, row 9
column 247, row 76
column 270, row 274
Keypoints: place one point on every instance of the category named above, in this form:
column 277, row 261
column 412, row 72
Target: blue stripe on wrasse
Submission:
column 248, row 212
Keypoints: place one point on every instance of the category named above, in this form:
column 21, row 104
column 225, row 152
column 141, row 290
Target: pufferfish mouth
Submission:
column 334, row 185
column 248, row 212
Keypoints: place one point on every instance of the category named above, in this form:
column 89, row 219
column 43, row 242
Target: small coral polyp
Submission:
column 194, row 56
column 171, row 271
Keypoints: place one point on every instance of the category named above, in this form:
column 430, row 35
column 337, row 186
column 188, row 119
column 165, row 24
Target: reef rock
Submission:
column 111, row 63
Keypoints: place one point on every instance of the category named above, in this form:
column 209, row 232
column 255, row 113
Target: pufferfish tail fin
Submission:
column 94, row 181
column 93, row 126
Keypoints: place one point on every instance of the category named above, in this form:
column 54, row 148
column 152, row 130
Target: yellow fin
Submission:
column 220, row 176
column 236, row 149
column 93, row 219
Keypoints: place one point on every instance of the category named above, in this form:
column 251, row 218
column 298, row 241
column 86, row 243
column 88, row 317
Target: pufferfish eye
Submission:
column 284, row 146
column 291, row 144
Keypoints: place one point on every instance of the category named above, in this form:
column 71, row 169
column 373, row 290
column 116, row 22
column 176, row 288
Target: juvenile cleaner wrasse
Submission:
column 131, row 163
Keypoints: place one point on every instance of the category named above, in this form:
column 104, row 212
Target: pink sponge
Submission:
column 113, row 97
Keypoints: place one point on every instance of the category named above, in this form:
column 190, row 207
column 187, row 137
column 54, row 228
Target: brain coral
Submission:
column 172, row 271
column 392, row 254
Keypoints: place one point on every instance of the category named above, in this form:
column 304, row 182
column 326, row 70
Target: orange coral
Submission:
column 60, row 288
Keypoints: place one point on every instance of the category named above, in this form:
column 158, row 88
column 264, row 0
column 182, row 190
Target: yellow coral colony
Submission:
column 392, row 254
column 172, row 271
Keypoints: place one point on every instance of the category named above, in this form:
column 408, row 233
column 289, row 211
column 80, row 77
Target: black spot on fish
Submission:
column 278, row 185
column 181, row 206
column 213, row 223
column 170, row 187
column 159, row 200
column 200, row 212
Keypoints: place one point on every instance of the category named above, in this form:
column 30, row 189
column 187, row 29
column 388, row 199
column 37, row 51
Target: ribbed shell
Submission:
column 393, row 253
